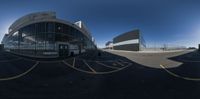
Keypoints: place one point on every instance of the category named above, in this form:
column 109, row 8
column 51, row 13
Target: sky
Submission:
column 172, row 22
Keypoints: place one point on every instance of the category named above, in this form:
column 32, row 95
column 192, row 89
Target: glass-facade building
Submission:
column 43, row 35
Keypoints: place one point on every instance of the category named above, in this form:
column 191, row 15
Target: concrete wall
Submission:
column 128, row 47
column 127, row 36
column 127, row 41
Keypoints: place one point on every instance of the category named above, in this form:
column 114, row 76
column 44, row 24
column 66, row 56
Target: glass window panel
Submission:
column 66, row 29
column 28, row 42
column 59, row 28
column 50, row 27
column 40, row 41
column 40, row 27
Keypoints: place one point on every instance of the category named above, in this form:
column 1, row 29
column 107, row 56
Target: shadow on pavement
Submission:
column 190, row 65
column 56, row 80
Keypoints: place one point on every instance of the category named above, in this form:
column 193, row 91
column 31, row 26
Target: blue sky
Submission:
column 174, row 22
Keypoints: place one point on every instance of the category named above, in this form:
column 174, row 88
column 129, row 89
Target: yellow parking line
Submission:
column 122, row 61
column 74, row 62
column 67, row 63
column 77, row 68
column 178, row 76
column 22, row 74
column 98, row 61
column 107, row 65
column 89, row 66
column 97, row 73
column 119, row 63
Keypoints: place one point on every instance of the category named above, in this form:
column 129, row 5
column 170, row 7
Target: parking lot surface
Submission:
column 108, row 75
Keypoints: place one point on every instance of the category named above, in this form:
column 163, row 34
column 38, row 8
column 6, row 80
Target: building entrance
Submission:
column 63, row 50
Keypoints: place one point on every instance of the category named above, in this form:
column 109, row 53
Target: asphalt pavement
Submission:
column 109, row 75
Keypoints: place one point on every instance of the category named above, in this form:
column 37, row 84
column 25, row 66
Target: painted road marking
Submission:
column 178, row 76
column 74, row 62
column 119, row 63
column 22, row 74
column 114, row 64
column 49, row 61
column 89, row 66
column 122, row 61
column 98, row 60
column 67, row 64
column 106, row 65
column 77, row 68
column 97, row 73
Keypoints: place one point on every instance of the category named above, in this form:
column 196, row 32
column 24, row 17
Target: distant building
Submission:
column 192, row 48
column 129, row 41
column 109, row 45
